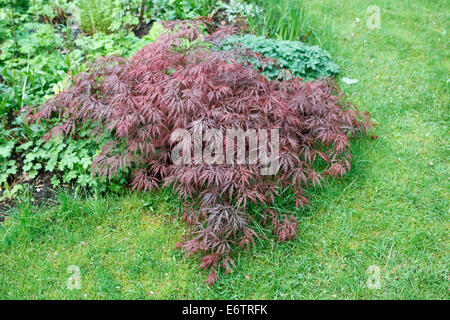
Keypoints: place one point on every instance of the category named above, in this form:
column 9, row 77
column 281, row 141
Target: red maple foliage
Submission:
column 181, row 81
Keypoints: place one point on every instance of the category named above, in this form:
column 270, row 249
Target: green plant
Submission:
column 101, row 44
column 180, row 9
column 282, row 19
column 8, row 166
column 126, row 14
column 31, row 70
column 71, row 158
column 191, row 9
column 156, row 30
column 68, row 161
column 5, row 32
column 95, row 15
column 306, row 62
column 236, row 8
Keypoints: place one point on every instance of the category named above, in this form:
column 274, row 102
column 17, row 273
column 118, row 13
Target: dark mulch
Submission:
column 143, row 29
column 40, row 189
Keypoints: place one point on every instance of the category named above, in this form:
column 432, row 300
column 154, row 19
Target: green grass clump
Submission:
column 391, row 211
column 307, row 62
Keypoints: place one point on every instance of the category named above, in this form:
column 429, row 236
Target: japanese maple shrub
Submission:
column 181, row 81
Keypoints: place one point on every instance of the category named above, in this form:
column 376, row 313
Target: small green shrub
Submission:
column 101, row 44
column 235, row 8
column 69, row 158
column 4, row 32
column 306, row 62
column 30, row 64
column 8, row 166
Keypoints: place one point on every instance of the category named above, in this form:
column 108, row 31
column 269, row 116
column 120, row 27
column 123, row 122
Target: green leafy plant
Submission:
column 126, row 14
column 5, row 32
column 16, row 191
column 304, row 61
column 8, row 166
column 190, row 9
column 101, row 44
column 155, row 31
column 27, row 73
column 69, row 160
column 180, row 9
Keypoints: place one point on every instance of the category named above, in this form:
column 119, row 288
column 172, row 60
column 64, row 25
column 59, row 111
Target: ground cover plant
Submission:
column 304, row 61
column 169, row 85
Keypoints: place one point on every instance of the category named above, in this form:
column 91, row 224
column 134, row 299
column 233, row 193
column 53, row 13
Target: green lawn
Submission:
column 390, row 212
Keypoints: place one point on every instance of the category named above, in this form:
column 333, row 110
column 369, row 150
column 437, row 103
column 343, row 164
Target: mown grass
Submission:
column 391, row 211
